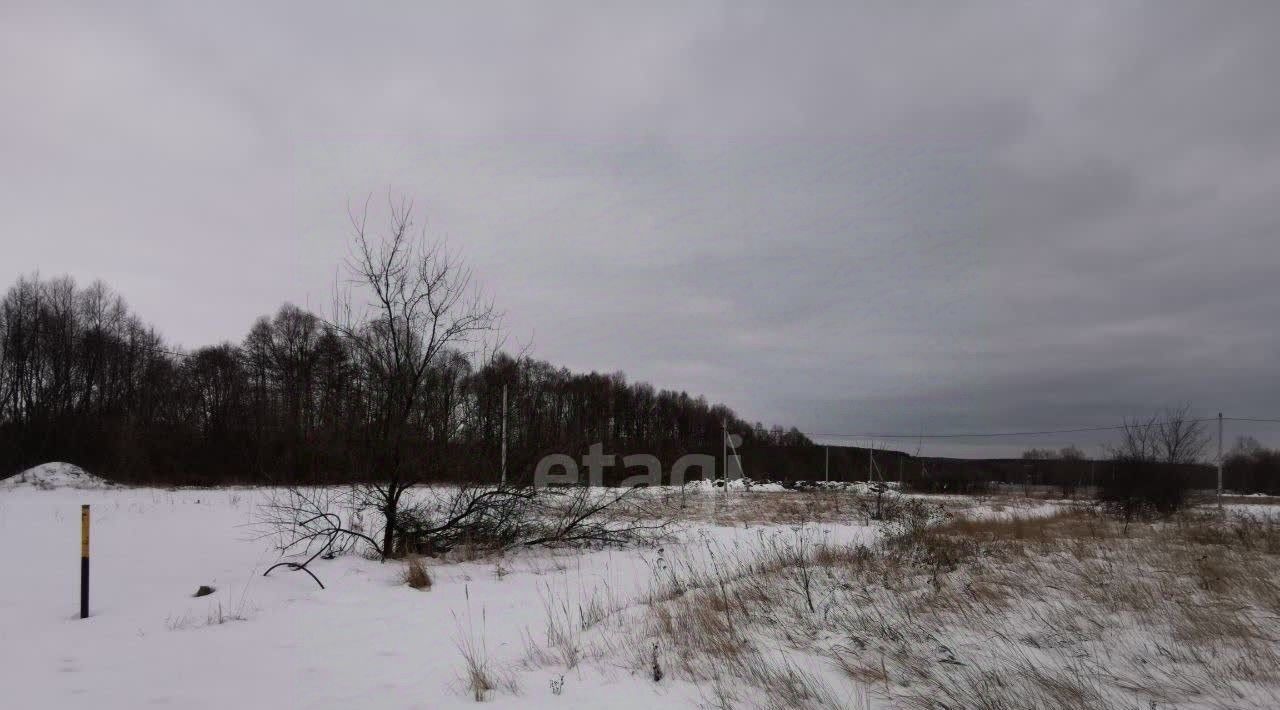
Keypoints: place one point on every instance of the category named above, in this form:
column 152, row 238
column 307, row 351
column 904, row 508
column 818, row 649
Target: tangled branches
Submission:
column 306, row 525
column 320, row 523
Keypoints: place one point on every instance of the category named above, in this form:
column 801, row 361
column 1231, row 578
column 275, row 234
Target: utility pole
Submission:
column 1219, row 460
column 725, row 454
column 826, row 467
column 504, row 435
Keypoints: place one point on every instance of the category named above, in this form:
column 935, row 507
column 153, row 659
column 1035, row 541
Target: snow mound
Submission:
column 57, row 474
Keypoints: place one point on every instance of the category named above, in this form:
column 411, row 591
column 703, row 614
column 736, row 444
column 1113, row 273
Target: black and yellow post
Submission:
column 84, row 561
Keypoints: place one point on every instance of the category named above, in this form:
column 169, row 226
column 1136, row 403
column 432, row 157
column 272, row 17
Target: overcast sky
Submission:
column 857, row 217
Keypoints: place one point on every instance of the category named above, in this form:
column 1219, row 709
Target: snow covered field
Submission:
column 555, row 629
column 279, row 641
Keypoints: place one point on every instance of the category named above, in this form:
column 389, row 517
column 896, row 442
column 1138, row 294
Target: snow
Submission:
column 746, row 484
column 56, row 475
column 367, row 641
column 1256, row 510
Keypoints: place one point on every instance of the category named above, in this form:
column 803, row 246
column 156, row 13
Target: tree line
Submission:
column 303, row 399
column 1250, row 467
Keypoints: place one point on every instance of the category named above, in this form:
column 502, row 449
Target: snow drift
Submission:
column 57, row 474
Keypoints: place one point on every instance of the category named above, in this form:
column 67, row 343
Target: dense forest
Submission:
column 84, row 379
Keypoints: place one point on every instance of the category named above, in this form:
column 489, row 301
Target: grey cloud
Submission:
column 846, row 216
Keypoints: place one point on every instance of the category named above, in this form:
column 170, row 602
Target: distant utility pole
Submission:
column 1219, row 460
column 724, row 452
column 504, row 435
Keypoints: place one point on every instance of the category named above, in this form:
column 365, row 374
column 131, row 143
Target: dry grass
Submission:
column 1071, row 610
column 746, row 508
column 1258, row 500
column 834, row 506
column 480, row 677
column 416, row 574
column 740, row 508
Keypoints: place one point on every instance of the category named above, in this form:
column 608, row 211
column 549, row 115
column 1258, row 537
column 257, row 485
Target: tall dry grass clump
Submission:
column 481, row 676
column 416, row 574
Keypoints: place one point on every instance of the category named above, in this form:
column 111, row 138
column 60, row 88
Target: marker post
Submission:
column 84, row 562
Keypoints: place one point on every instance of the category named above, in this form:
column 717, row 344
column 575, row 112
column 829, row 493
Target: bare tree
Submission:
column 1138, row 440
column 421, row 309
column 1146, row 465
column 1179, row 437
